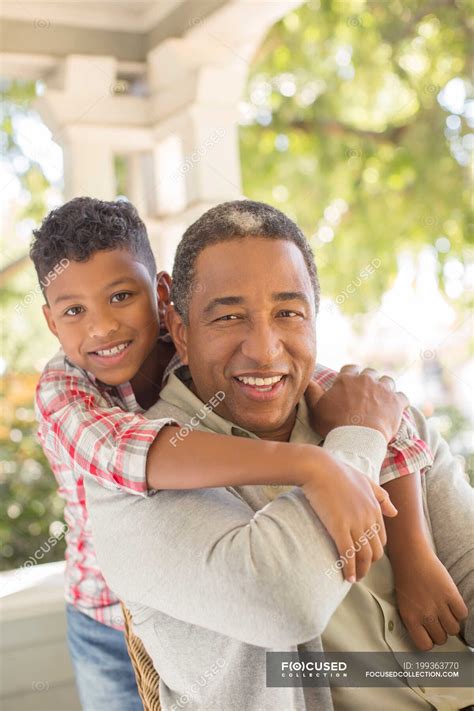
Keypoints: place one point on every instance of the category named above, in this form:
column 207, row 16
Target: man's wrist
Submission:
column 362, row 447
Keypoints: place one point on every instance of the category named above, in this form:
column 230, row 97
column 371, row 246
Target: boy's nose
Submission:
column 102, row 327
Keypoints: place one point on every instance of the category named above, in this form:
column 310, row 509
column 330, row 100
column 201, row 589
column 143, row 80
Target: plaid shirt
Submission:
column 89, row 429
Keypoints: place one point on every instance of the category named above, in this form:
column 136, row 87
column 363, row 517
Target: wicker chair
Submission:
column 148, row 679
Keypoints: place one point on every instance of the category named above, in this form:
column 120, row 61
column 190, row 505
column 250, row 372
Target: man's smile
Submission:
column 261, row 388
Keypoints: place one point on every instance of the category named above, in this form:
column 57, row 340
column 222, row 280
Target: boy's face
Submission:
column 104, row 311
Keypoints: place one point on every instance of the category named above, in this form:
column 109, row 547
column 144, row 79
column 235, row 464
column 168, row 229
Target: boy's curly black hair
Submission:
column 83, row 226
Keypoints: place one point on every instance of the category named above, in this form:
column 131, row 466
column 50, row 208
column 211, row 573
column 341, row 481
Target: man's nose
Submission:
column 102, row 324
column 262, row 344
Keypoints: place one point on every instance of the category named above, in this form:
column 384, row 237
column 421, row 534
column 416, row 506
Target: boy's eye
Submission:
column 73, row 311
column 121, row 296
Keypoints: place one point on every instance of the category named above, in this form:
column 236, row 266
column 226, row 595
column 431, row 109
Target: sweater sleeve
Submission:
column 207, row 558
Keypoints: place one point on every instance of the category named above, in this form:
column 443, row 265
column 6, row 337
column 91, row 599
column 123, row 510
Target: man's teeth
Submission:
column 259, row 382
column 113, row 351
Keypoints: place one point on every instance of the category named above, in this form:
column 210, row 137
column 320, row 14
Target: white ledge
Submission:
column 32, row 591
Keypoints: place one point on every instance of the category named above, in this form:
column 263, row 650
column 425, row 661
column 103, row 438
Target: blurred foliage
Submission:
column 456, row 430
column 16, row 99
column 30, row 509
column 31, row 512
column 358, row 123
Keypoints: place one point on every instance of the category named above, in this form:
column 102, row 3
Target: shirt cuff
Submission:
column 361, row 447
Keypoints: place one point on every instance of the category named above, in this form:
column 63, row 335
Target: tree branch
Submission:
column 337, row 128
column 407, row 27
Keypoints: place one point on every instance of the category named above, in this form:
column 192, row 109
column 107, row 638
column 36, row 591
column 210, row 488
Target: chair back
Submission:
column 148, row 679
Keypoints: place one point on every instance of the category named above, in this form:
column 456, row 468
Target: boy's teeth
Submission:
column 113, row 351
column 259, row 382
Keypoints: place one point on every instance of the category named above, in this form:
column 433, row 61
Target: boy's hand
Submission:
column 351, row 507
column 357, row 398
column 429, row 602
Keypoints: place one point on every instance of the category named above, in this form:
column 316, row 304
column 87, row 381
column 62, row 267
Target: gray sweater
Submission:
column 214, row 578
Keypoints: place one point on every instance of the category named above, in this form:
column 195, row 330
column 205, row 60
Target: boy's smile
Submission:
column 104, row 311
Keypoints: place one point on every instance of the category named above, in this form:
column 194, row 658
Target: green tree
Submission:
column 359, row 125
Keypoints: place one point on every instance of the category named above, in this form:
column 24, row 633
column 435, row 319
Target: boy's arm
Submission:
column 429, row 602
column 81, row 432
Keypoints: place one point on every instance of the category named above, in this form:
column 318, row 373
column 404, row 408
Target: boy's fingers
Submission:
column 448, row 621
column 432, row 625
column 420, row 637
column 458, row 607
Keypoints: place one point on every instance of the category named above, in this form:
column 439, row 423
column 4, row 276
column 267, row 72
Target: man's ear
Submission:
column 178, row 332
column 163, row 289
column 50, row 320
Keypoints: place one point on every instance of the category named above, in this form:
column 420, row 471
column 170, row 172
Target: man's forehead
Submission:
column 250, row 266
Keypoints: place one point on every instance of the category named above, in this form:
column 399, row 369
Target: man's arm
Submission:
column 205, row 557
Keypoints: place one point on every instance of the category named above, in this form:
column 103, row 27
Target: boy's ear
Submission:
column 50, row 320
column 178, row 332
column 163, row 288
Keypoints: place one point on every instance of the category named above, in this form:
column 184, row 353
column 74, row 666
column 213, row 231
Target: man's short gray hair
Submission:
column 229, row 221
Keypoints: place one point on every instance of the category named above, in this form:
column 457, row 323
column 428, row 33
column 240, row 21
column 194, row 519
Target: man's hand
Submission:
column 357, row 398
column 351, row 507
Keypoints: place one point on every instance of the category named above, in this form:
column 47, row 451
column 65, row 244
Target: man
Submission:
column 215, row 578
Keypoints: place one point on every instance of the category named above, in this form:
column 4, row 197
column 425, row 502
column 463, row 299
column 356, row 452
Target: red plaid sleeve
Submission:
column 86, row 431
column 406, row 453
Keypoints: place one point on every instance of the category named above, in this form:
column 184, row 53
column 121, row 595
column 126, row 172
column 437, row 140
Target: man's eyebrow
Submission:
column 238, row 300
column 223, row 301
column 77, row 297
column 290, row 296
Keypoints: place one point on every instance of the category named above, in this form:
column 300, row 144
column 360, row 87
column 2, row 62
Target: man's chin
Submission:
column 262, row 426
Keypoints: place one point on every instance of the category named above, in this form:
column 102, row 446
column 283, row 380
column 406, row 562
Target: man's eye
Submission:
column 228, row 317
column 73, row 311
column 289, row 314
column 122, row 296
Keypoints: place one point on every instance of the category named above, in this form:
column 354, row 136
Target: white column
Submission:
column 88, row 168
column 93, row 123
column 195, row 135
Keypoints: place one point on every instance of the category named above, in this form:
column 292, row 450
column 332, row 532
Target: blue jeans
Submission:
column 102, row 667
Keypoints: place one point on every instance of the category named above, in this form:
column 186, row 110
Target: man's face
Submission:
column 251, row 332
column 104, row 312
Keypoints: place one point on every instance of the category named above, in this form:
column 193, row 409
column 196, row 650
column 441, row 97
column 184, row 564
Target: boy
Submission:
column 106, row 307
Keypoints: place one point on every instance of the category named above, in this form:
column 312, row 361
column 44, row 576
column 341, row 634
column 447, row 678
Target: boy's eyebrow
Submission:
column 238, row 300
column 76, row 297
